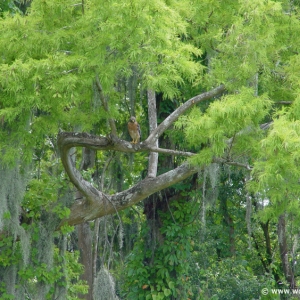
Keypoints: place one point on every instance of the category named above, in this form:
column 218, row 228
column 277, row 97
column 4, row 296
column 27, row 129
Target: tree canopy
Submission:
column 215, row 88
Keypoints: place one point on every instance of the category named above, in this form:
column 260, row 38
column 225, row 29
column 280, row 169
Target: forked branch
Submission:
column 95, row 203
column 164, row 125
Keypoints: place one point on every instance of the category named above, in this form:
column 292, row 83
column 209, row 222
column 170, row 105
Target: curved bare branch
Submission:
column 95, row 203
column 182, row 109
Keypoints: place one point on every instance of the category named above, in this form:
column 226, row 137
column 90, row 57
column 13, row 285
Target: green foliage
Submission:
column 163, row 274
column 8, row 6
column 74, row 285
column 230, row 268
column 37, row 272
column 234, row 116
column 4, row 294
column 229, row 280
column 8, row 255
column 244, row 41
column 50, row 58
column 277, row 172
column 28, row 265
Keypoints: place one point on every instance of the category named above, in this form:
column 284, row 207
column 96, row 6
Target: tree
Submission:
column 230, row 69
column 99, row 204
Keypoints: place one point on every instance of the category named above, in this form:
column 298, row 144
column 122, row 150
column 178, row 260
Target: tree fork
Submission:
column 95, row 203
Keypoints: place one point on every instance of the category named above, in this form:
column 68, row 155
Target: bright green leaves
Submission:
column 292, row 70
column 233, row 117
column 51, row 15
column 145, row 35
column 277, row 173
column 50, row 58
column 41, row 273
column 41, row 76
column 243, row 40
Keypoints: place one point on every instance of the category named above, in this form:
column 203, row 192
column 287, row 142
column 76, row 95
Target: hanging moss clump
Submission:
column 104, row 286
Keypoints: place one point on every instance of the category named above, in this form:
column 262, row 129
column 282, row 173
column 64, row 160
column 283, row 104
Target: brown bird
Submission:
column 134, row 130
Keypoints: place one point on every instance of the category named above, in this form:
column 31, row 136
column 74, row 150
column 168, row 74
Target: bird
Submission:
column 134, row 130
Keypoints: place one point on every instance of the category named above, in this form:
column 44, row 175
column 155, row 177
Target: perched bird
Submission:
column 134, row 130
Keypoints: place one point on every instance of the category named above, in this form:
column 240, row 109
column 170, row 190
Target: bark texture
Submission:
column 95, row 203
column 84, row 233
column 284, row 253
column 152, row 116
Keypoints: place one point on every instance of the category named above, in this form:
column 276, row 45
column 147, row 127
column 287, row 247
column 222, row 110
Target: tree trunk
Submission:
column 228, row 223
column 152, row 115
column 284, row 254
column 86, row 258
column 84, row 233
column 95, row 203
column 265, row 228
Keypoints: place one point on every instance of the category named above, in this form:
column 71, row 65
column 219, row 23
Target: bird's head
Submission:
column 132, row 119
